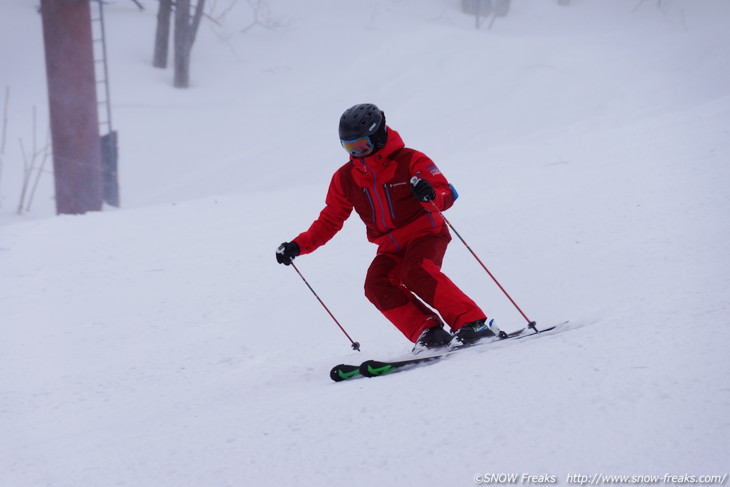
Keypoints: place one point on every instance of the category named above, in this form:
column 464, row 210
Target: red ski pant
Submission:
column 396, row 280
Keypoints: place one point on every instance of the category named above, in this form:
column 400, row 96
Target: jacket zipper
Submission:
column 377, row 196
column 390, row 203
column 370, row 200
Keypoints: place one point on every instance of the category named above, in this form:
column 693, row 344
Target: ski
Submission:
column 376, row 368
column 344, row 372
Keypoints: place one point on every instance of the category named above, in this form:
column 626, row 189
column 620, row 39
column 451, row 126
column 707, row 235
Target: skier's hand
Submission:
column 286, row 252
column 422, row 189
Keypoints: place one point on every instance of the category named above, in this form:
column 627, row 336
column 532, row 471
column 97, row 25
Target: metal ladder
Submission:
column 109, row 151
column 101, row 66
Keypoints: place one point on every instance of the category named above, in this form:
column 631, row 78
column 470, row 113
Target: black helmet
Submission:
column 364, row 120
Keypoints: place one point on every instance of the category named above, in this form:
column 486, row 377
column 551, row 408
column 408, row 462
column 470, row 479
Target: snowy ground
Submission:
column 161, row 345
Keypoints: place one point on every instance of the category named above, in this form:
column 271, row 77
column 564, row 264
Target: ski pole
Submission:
column 530, row 323
column 355, row 345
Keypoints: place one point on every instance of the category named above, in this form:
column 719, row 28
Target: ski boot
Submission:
column 476, row 330
column 430, row 338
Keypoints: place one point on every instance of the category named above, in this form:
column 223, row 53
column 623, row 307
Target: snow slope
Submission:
column 160, row 344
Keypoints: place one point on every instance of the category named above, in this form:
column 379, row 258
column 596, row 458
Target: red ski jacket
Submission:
column 378, row 188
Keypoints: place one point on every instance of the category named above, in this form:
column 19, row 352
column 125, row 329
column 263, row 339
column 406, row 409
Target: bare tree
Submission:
column 501, row 8
column 30, row 165
column 260, row 16
column 486, row 8
column 658, row 4
column 4, row 131
column 162, row 35
column 186, row 27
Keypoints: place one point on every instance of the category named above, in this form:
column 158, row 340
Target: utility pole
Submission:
column 72, row 105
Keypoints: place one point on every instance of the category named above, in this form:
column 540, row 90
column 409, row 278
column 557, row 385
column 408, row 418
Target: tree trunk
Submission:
column 72, row 105
column 185, row 30
column 502, row 8
column 162, row 36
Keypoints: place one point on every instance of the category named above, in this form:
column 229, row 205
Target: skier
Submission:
column 394, row 190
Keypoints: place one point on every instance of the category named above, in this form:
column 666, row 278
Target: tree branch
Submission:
column 196, row 20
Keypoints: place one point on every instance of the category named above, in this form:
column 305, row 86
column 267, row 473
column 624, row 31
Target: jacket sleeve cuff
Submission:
column 445, row 197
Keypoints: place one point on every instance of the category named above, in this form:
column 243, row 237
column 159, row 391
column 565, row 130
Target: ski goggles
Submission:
column 357, row 147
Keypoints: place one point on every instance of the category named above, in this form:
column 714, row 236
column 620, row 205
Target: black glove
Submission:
column 422, row 189
column 286, row 252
